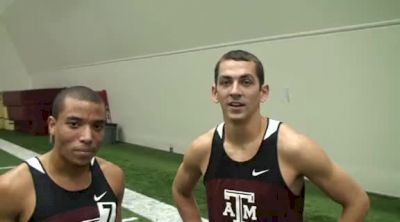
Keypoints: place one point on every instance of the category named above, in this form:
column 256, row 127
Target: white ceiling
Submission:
column 52, row 34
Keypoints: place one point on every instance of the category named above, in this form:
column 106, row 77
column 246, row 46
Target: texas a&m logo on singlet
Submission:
column 240, row 205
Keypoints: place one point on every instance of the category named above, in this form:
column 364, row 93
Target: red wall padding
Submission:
column 30, row 108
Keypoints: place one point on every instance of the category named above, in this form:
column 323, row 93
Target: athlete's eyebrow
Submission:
column 247, row 75
column 244, row 75
column 77, row 119
column 102, row 122
column 222, row 76
column 73, row 118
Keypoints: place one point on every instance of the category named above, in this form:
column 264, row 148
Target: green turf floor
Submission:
column 151, row 172
column 8, row 160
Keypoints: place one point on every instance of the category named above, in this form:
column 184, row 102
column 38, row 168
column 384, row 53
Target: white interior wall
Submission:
column 13, row 75
column 343, row 93
column 343, row 90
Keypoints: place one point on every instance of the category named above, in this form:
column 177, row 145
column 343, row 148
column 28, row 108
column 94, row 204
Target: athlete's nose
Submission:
column 235, row 89
column 86, row 135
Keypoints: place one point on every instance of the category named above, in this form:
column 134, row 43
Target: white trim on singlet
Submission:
column 272, row 127
column 92, row 161
column 34, row 162
column 220, row 129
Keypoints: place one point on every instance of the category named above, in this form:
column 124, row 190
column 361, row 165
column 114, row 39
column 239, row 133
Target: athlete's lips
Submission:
column 236, row 104
column 84, row 150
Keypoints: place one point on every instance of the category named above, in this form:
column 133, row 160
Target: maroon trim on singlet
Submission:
column 84, row 213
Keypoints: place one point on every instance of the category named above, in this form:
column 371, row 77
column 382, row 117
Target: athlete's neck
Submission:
column 66, row 175
column 244, row 132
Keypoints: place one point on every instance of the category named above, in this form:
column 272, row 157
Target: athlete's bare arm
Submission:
column 115, row 177
column 188, row 174
column 307, row 158
column 16, row 195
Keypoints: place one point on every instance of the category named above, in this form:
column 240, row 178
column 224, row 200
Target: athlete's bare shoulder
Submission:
column 203, row 142
column 106, row 165
column 300, row 151
column 201, row 145
column 110, row 170
column 291, row 141
column 197, row 154
column 114, row 176
column 17, row 193
column 17, row 180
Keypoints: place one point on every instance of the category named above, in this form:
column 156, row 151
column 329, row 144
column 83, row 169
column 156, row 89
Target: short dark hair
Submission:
column 77, row 92
column 241, row 55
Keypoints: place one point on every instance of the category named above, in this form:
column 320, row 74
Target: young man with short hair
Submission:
column 254, row 166
column 68, row 183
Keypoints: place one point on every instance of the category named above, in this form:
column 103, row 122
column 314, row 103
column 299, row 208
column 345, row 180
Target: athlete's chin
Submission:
column 81, row 163
column 236, row 118
column 82, row 160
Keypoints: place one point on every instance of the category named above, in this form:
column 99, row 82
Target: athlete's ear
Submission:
column 264, row 91
column 51, row 122
column 214, row 96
